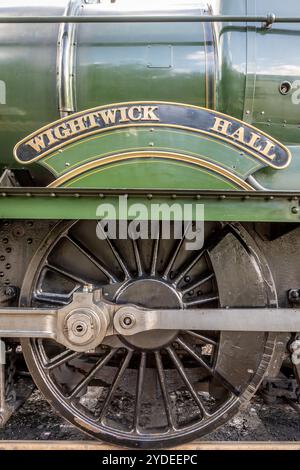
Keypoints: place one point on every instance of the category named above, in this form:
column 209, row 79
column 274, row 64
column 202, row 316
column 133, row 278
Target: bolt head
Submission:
column 295, row 294
column 10, row 291
column 79, row 327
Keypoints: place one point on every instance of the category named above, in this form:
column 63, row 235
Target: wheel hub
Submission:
column 149, row 293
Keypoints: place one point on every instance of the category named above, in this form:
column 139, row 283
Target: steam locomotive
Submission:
column 105, row 109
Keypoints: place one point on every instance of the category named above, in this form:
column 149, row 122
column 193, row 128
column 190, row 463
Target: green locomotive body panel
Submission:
column 243, row 70
column 121, row 133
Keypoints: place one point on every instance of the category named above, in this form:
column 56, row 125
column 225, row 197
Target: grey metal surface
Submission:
column 66, row 59
column 35, row 323
column 129, row 320
column 185, row 17
column 237, row 319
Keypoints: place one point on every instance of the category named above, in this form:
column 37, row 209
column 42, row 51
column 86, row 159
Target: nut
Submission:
column 80, row 326
column 127, row 320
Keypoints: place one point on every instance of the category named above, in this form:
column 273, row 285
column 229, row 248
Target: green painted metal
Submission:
column 218, row 205
column 160, row 57
column 157, row 173
column 148, row 175
column 113, row 65
column 254, row 64
column 287, row 180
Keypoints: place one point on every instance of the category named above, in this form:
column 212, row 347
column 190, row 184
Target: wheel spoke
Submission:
column 202, row 338
column 186, row 380
column 137, row 258
column 190, row 350
column 84, row 382
column 139, row 390
column 91, row 258
column 65, row 273
column 119, row 258
column 49, row 297
column 210, row 244
column 155, row 251
column 115, row 384
column 174, row 255
column 199, row 283
column 164, row 391
column 187, row 269
column 204, row 299
column 61, row 359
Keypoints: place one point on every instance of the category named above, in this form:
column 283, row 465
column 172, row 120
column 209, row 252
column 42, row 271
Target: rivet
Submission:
column 295, row 210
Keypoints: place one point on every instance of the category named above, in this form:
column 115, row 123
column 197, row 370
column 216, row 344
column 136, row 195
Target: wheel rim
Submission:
column 158, row 388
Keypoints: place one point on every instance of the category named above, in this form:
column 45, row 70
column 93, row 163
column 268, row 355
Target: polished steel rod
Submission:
column 125, row 18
